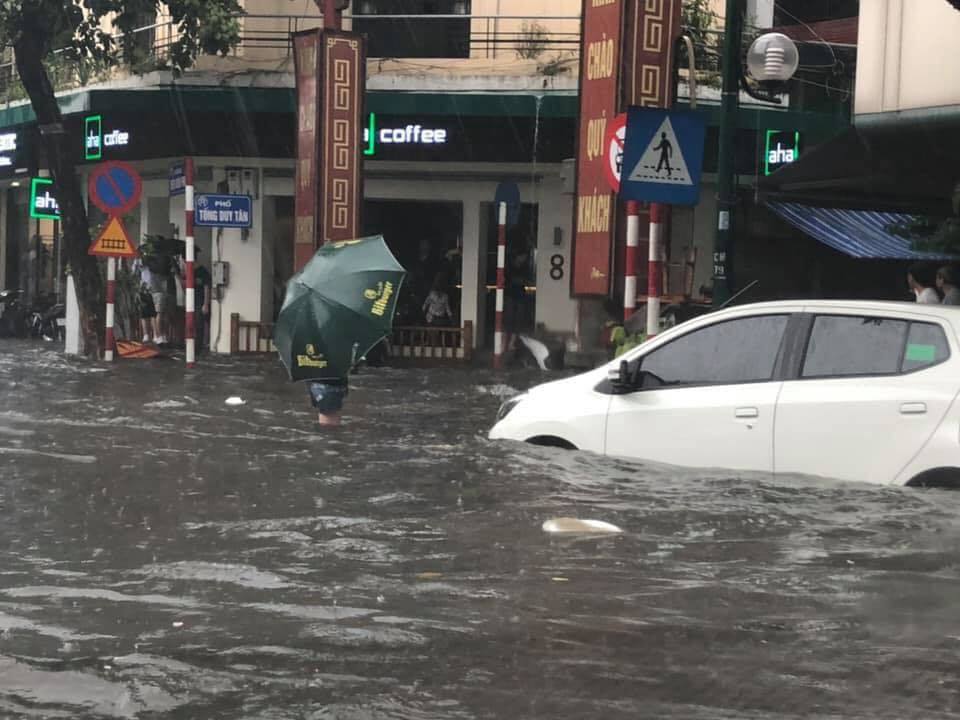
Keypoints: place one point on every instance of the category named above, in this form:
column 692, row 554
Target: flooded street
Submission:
column 169, row 556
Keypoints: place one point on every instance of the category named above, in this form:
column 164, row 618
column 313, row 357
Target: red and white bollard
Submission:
column 498, row 338
column 189, row 295
column 655, row 268
column 630, row 259
column 108, row 340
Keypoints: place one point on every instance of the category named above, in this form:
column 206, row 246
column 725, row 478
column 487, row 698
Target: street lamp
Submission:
column 771, row 61
column 772, row 57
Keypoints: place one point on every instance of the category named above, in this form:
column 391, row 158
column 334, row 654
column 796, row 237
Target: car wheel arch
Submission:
column 551, row 441
column 940, row 477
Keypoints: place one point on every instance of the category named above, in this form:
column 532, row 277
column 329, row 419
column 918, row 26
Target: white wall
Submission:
column 907, row 51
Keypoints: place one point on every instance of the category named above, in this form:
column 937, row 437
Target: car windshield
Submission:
column 312, row 316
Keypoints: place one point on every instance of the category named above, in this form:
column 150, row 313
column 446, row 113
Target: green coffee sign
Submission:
column 43, row 203
column 782, row 148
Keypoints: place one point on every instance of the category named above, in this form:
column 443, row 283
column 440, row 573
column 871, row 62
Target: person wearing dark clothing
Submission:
column 202, row 290
column 947, row 285
column 327, row 398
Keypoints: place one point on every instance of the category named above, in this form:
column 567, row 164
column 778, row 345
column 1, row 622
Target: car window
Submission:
column 926, row 346
column 854, row 345
column 736, row 351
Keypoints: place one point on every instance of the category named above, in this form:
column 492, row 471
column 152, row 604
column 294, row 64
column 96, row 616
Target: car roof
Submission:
column 949, row 313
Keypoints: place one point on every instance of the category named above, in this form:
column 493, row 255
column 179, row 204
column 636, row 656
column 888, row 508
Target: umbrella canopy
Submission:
column 337, row 308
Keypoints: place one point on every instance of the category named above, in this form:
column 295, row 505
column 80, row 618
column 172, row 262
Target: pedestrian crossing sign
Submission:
column 663, row 156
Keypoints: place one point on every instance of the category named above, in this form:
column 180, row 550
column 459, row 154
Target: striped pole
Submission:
column 501, row 278
column 189, row 295
column 630, row 260
column 111, row 296
column 654, row 268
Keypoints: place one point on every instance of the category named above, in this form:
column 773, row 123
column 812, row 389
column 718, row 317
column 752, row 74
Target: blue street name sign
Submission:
column 663, row 156
column 177, row 179
column 226, row 211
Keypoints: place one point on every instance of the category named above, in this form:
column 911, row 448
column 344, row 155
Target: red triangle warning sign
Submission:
column 113, row 241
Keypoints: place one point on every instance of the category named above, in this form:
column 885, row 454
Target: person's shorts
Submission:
column 147, row 308
column 327, row 397
column 159, row 302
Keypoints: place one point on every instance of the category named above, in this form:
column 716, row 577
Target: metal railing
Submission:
column 266, row 39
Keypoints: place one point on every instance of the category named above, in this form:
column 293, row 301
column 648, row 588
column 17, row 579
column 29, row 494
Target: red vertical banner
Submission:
column 652, row 27
column 341, row 135
column 306, row 208
column 330, row 68
column 601, row 31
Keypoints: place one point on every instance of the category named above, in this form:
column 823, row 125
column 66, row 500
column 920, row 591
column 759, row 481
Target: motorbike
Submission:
column 48, row 321
column 13, row 316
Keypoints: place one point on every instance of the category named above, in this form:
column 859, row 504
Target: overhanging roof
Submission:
column 857, row 233
column 906, row 169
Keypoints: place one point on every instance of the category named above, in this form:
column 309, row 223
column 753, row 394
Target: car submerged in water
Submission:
column 850, row 390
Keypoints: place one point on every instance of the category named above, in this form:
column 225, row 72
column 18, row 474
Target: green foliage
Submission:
column 929, row 234
column 622, row 342
column 73, row 29
column 701, row 24
column 533, row 40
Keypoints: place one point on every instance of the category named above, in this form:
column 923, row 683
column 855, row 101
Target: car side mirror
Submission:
column 619, row 377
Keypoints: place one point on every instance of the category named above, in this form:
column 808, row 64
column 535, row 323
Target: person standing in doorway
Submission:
column 436, row 308
column 921, row 278
column 947, row 285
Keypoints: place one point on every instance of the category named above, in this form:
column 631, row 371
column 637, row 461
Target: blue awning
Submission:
column 857, row 233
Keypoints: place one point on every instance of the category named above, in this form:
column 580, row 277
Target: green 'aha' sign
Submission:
column 782, row 148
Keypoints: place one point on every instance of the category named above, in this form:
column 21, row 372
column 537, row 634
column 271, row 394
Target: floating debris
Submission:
column 567, row 525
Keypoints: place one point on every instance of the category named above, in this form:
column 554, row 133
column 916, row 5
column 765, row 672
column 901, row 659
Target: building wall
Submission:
column 906, row 53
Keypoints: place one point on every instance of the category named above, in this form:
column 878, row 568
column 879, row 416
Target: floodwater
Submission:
column 170, row 556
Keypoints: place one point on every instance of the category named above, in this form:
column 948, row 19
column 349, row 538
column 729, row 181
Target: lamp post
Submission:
column 771, row 61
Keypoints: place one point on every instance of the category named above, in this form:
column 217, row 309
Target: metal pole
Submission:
column 654, row 268
column 189, row 330
column 501, row 281
column 630, row 259
column 331, row 17
column 111, row 296
column 726, row 189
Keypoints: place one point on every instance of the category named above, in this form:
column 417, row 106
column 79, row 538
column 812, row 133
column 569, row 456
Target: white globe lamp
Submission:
column 772, row 57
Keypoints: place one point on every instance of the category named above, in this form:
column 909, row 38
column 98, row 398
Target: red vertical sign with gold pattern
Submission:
column 306, row 56
column 594, row 205
column 330, row 69
column 652, row 28
column 341, row 135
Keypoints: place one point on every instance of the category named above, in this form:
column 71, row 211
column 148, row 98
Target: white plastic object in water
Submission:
column 235, row 401
column 568, row 525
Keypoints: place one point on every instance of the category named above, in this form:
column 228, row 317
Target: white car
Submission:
column 852, row 390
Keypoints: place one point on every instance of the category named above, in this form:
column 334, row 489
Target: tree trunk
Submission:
column 75, row 232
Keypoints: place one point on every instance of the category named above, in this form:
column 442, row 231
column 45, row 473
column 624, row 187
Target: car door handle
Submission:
column 745, row 413
column 913, row 408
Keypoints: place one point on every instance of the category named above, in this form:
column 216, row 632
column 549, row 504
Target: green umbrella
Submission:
column 337, row 308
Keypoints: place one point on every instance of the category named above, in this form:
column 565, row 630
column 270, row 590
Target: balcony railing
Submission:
column 265, row 41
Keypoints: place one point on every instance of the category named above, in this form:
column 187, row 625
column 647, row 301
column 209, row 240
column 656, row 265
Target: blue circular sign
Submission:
column 115, row 188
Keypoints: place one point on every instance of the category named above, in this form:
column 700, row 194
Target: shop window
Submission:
column 415, row 36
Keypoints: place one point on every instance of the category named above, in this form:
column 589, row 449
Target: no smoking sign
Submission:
column 616, row 134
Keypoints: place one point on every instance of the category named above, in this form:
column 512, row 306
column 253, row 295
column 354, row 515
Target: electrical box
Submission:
column 221, row 274
column 568, row 177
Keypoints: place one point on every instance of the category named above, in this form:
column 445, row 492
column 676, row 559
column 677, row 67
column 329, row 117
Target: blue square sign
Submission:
column 663, row 156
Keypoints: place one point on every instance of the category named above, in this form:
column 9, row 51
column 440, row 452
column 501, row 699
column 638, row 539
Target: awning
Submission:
column 857, row 233
column 911, row 169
